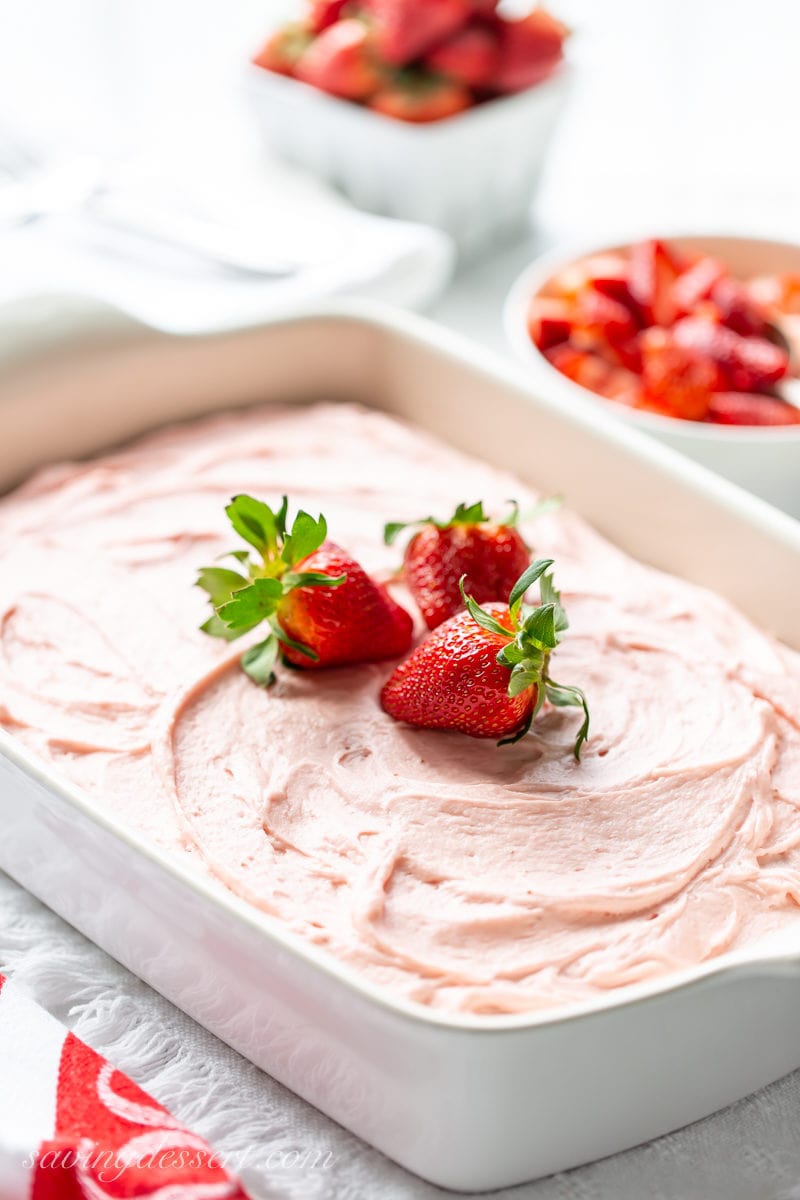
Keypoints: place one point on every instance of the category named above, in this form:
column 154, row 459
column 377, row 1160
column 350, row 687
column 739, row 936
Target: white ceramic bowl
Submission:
column 763, row 460
column 472, row 175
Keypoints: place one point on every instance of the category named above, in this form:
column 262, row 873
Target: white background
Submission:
column 683, row 113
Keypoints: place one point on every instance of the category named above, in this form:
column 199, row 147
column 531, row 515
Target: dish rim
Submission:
column 745, row 961
column 534, row 277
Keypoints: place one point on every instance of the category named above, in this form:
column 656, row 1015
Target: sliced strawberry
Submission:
column 625, row 353
column 581, row 366
column 589, row 341
column 737, row 308
column 323, row 13
column 549, row 320
column 340, row 61
column 282, row 50
column 406, row 29
column 568, row 283
column 677, row 378
column 609, row 319
column 628, row 354
column 488, row 555
column 622, row 386
column 652, row 274
column 606, row 273
column 319, row 606
column 747, row 408
column 748, row 364
column 422, row 98
column 695, row 283
column 485, row 671
column 470, row 56
column 530, row 50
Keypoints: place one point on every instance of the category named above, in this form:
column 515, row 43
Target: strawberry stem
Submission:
column 473, row 514
column 465, row 514
column 534, row 634
column 243, row 599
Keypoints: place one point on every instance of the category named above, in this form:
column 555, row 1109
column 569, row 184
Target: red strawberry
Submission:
column 549, row 320
column 581, row 366
column 530, row 49
column 490, row 556
column 737, row 308
column 628, row 353
column 695, row 283
column 485, row 671
column 608, row 274
column 318, row 603
column 602, row 370
column 610, row 320
column 678, row 378
column 748, row 364
column 283, row 48
column 323, row 13
column 421, row 99
column 652, row 273
column 407, row 29
column 748, row 408
column 470, row 56
column 454, row 681
column 621, row 385
column 357, row 622
column 340, row 61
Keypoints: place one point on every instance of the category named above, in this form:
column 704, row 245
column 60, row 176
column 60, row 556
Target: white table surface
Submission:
column 681, row 119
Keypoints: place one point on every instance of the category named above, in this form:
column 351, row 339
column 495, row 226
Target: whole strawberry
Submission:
column 406, row 29
column 340, row 61
column 421, row 96
column 490, row 555
column 283, row 48
column 356, row 622
column 486, row 671
column 319, row 604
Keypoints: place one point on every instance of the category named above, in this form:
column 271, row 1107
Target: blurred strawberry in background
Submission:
column 416, row 60
column 341, row 61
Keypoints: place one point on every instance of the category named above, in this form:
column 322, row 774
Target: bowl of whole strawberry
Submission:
column 694, row 339
column 438, row 111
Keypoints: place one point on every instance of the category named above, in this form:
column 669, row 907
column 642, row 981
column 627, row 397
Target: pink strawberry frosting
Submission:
column 451, row 872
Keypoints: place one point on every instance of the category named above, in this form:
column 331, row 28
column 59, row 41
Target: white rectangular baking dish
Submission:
column 467, row 1102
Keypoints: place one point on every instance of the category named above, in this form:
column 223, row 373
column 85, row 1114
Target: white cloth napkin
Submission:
column 69, row 252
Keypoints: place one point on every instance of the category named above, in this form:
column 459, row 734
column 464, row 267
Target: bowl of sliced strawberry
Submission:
column 438, row 111
column 694, row 339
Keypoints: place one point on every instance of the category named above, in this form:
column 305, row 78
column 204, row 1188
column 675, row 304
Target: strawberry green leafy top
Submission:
column 536, row 632
column 472, row 514
column 243, row 598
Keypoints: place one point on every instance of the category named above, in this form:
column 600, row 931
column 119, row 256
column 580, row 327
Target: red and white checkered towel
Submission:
column 74, row 1128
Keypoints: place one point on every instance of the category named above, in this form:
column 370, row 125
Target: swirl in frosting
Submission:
column 451, row 872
